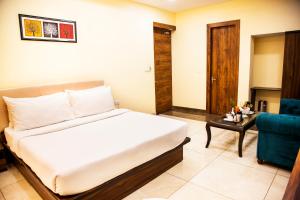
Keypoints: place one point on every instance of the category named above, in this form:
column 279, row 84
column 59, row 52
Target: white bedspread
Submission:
column 78, row 155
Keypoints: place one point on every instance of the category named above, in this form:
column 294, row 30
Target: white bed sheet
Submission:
column 78, row 155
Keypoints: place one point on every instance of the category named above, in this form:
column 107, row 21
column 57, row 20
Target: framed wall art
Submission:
column 47, row 29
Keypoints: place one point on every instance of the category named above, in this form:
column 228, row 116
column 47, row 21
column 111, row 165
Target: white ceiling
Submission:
column 177, row 5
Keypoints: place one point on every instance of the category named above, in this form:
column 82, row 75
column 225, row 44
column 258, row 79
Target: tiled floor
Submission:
column 191, row 114
column 215, row 173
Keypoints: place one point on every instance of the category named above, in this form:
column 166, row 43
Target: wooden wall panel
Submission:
column 163, row 69
column 291, row 66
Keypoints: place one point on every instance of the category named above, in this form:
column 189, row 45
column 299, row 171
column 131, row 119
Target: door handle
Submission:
column 213, row 79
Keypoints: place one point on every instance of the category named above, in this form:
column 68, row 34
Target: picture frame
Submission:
column 47, row 29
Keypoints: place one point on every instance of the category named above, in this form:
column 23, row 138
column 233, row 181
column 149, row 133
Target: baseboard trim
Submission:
column 188, row 110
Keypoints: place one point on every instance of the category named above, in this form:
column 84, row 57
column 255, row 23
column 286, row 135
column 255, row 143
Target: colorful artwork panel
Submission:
column 33, row 28
column 66, row 31
column 47, row 29
column 50, row 29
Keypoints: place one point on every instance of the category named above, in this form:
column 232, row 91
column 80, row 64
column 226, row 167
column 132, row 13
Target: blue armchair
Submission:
column 279, row 134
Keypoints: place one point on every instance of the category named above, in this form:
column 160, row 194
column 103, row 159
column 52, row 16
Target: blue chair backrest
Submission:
column 290, row 106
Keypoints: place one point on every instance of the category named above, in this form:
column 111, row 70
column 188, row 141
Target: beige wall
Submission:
column 189, row 44
column 267, row 65
column 272, row 97
column 115, row 43
column 268, row 61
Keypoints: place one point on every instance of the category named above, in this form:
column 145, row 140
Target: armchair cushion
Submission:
column 288, row 125
column 290, row 106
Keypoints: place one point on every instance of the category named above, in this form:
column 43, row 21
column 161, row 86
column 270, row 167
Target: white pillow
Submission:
column 28, row 113
column 91, row 101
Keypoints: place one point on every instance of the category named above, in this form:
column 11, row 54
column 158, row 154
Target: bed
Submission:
column 101, row 161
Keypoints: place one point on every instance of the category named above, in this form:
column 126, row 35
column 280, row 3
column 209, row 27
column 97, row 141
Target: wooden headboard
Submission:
column 38, row 91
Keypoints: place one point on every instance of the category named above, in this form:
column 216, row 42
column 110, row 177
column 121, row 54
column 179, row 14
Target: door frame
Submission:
column 209, row 57
column 164, row 26
column 170, row 28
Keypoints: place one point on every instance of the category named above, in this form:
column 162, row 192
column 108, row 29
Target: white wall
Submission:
column 115, row 44
column 189, row 42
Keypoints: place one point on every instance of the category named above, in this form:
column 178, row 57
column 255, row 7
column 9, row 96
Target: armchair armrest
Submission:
column 290, row 106
column 279, row 124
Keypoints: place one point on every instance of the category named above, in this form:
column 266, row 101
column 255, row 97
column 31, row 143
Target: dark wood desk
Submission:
column 240, row 127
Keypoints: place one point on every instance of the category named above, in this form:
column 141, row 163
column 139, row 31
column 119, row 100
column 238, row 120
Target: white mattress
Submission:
column 78, row 155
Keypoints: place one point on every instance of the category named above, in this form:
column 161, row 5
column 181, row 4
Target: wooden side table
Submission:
column 3, row 163
column 240, row 127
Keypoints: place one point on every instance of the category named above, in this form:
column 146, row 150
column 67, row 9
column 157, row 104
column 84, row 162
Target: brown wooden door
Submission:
column 163, row 69
column 222, row 66
column 291, row 66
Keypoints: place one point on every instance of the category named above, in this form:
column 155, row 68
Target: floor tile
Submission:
column 193, row 125
column 249, row 143
column 137, row 195
column 12, row 175
column 277, row 188
column 249, row 154
column 223, row 139
column 193, row 192
column 21, row 190
column 249, row 159
column 195, row 115
column 234, row 180
column 192, row 163
column 198, row 142
column 284, row 173
column 162, row 187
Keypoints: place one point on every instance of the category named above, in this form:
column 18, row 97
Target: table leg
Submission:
column 241, row 139
column 208, row 135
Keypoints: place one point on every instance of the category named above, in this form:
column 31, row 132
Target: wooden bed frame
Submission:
column 114, row 189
